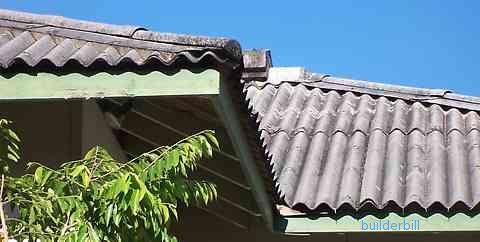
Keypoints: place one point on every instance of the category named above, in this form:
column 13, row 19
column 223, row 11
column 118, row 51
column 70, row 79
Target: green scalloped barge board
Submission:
column 434, row 223
column 103, row 84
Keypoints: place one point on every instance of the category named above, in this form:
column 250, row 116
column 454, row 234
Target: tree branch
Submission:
column 4, row 230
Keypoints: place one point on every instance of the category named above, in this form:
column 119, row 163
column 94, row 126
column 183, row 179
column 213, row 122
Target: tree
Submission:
column 99, row 198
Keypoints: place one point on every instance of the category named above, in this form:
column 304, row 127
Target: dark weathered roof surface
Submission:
column 32, row 39
column 337, row 142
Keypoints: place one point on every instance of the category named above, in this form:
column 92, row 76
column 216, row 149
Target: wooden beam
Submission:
column 233, row 222
column 370, row 223
column 180, row 105
column 127, row 84
column 227, row 110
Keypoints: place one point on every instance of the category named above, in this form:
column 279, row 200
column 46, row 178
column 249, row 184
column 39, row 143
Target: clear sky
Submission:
column 425, row 43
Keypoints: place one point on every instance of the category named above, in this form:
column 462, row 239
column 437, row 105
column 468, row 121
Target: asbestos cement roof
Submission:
column 32, row 39
column 334, row 143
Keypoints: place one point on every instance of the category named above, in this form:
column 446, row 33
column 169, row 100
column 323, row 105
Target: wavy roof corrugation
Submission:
column 340, row 142
column 33, row 38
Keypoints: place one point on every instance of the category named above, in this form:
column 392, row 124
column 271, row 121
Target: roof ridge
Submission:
column 279, row 75
column 428, row 93
column 69, row 23
column 378, row 85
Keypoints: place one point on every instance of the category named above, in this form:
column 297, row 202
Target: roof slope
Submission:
column 335, row 142
column 31, row 39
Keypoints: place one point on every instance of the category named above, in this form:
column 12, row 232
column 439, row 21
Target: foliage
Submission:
column 100, row 199
column 9, row 145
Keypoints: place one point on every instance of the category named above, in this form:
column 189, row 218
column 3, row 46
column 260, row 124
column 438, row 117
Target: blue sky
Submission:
column 418, row 43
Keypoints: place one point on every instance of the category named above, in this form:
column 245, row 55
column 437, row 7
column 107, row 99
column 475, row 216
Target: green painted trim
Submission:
column 434, row 223
column 226, row 110
column 78, row 85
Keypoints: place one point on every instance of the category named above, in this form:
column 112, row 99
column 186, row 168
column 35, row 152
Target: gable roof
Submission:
column 32, row 39
column 336, row 143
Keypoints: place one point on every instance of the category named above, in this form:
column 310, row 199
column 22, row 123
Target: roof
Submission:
column 32, row 39
column 336, row 143
column 327, row 142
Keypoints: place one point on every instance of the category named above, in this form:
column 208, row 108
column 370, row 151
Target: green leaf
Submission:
column 196, row 148
column 50, row 192
column 134, row 202
column 92, row 153
column 12, row 157
column 99, row 153
column 174, row 212
column 58, row 187
column 82, row 233
column 77, row 170
column 63, row 204
column 165, row 213
column 85, row 179
column 206, row 146
column 117, row 219
column 39, row 175
column 13, row 151
column 46, row 176
column 108, row 214
column 141, row 185
column 210, row 134
column 172, row 158
column 117, row 186
column 156, row 170
column 13, row 136
column 92, row 234
column 31, row 216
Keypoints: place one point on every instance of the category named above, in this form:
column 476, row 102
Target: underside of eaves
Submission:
column 337, row 144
